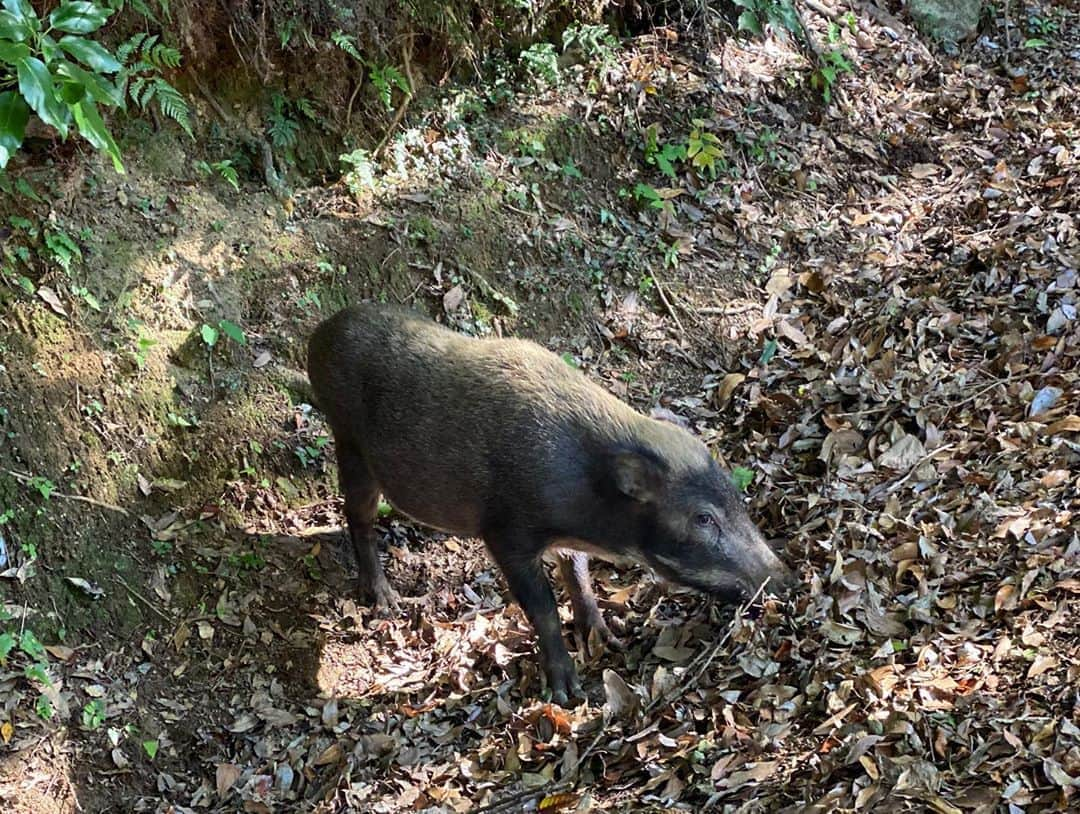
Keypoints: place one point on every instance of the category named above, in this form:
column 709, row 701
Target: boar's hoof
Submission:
column 564, row 684
column 381, row 596
column 593, row 634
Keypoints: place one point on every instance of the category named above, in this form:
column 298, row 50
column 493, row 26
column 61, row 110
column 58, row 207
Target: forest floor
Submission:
column 869, row 306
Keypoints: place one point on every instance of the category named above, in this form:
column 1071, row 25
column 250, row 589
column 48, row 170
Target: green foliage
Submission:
column 756, row 14
column 43, row 486
column 145, row 59
column 360, row 174
column 62, row 81
column 742, row 477
column 223, row 168
column 595, row 41
column 7, row 644
column 833, row 64
column 541, row 62
column 663, row 156
column 93, row 714
column 704, row 150
column 62, row 249
column 384, row 77
column 233, row 331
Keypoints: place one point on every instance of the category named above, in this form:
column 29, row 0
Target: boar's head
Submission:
column 689, row 522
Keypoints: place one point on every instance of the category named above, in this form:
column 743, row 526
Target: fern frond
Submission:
column 173, row 104
column 130, row 48
column 346, row 44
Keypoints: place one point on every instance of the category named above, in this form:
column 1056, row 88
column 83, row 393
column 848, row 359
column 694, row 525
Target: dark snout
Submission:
column 752, row 565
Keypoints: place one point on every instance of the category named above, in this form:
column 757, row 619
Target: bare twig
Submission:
column 143, row 599
column 22, row 477
column 667, row 303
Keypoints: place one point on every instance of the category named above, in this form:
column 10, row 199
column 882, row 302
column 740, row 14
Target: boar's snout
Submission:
column 753, row 563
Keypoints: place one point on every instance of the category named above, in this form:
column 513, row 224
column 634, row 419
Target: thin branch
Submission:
column 22, row 477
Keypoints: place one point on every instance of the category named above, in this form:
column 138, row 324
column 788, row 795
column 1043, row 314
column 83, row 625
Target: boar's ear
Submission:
column 664, row 414
column 637, row 474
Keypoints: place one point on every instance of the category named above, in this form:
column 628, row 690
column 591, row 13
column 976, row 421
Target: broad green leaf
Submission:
column 13, row 117
column 748, row 21
column 23, row 12
column 742, row 477
column 209, row 335
column 13, row 27
column 12, row 52
column 36, row 86
column 101, row 90
column 72, row 92
column 78, row 18
column 93, row 129
column 768, row 352
column 233, row 331
column 151, row 748
column 90, row 54
column 31, row 645
column 7, row 644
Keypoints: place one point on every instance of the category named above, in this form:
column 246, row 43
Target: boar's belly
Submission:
column 445, row 503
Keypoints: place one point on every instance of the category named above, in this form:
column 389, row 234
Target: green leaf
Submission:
column 209, row 335
column 93, row 129
column 100, row 90
column 7, row 644
column 31, row 645
column 233, row 331
column 12, row 52
column 91, row 54
column 79, row 18
column 36, row 87
column 72, row 92
column 768, row 353
column 742, row 477
column 13, row 117
column 13, row 28
column 23, row 13
column 748, row 21
column 1035, row 42
column 151, row 748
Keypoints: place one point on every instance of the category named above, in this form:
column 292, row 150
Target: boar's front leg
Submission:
column 519, row 559
column 574, row 566
column 361, row 507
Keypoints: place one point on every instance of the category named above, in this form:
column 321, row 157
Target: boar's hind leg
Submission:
column 531, row 589
column 361, row 505
column 574, row 566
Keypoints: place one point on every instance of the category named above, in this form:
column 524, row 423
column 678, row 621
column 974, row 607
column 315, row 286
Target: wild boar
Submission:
column 501, row 439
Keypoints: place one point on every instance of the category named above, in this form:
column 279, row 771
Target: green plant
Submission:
column 361, row 172
column 93, row 714
column 832, row 64
column 756, row 14
column 742, row 477
column 224, row 169
column 145, row 59
column 704, row 150
column 43, row 485
column 309, row 454
column 541, row 62
column 61, row 80
column 383, row 77
column 61, row 248
column 663, row 156
column 595, row 41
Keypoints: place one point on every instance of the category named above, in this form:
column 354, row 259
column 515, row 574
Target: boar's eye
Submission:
column 704, row 520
